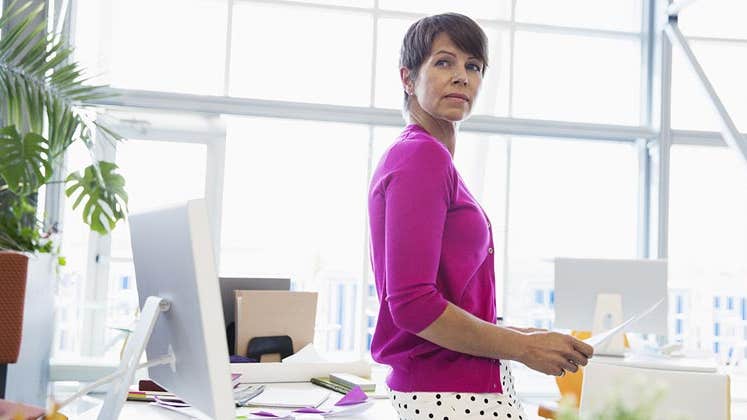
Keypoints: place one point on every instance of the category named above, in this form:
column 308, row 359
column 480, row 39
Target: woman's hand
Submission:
column 554, row 353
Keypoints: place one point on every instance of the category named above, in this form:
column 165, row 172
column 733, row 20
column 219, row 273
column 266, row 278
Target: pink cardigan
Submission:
column 431, row 243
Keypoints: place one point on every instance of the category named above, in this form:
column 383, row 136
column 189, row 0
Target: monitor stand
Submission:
column 117, row 394
column 607, row 315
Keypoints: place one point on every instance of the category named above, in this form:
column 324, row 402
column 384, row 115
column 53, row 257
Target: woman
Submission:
column 432, row 249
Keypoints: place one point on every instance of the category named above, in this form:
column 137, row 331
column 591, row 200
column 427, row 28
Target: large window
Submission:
column 719, row 40
column 294, row 205
column 708, row 244
column 567, row 199
column 305, row 94
column 97, row 300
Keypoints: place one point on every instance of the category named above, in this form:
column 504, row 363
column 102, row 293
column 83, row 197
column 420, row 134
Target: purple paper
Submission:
column 311, row 410
column 354, row 396
column 264, row 414
column 170, row 402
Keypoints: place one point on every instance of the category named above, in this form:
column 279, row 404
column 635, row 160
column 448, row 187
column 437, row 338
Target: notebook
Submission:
column 289, row 398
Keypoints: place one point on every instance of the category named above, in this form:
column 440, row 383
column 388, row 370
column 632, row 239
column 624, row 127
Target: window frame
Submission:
column 653, row 137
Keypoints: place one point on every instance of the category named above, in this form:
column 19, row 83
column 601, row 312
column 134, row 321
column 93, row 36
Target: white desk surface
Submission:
column 381, row 410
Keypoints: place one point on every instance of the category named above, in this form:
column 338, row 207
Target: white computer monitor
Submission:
column 173, row 255
column 640, row 284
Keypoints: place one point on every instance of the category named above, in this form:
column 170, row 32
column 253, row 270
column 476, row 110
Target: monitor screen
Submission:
column 640, row 284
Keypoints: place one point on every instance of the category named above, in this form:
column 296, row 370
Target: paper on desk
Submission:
column 601, row 338
column 354, row 396
column 308, row 354
column 354, row 402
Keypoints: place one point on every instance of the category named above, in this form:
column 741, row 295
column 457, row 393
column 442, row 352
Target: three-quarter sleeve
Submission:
column 417, row 197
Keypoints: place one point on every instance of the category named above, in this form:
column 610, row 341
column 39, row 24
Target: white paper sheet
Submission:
column 601, row 338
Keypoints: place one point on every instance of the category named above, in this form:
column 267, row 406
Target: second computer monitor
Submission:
column 228, row 285
column 640, row 284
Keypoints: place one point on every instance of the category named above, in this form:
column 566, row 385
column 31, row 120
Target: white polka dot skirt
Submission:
column 460, row 405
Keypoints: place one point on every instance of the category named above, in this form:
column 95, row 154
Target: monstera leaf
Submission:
column 101, row 190
column 24, row 161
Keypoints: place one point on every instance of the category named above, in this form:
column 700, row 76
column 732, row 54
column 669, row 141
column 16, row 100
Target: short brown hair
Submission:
column 464, row 32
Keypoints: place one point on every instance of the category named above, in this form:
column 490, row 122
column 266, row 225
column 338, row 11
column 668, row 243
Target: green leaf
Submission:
column 24, row 161
column 19, row 228
column 41, row 93
column 101, row 191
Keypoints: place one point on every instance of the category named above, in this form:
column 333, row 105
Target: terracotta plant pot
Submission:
column 13, row 271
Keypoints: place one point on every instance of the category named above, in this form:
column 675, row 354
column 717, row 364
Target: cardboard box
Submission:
column 264, row 313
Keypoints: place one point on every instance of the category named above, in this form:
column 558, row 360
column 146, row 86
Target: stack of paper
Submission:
column 352, row 403
column 291, row 398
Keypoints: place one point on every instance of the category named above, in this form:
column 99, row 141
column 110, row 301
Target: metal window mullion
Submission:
column 200, row 104
column 649, row 40
column 729, row 131
column 55, row 190
column 699, row 138
column 96, row 287
column 215, row 161
column 229, row 42
column 507, row 187
column 361, row 322
column 662, row 152
column 717, row 40
column 643, row 248
column 571, row 30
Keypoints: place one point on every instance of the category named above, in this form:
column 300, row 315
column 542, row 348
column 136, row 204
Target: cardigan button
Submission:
column 490, row 250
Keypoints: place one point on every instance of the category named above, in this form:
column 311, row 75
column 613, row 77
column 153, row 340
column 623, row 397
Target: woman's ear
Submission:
column 407, row 84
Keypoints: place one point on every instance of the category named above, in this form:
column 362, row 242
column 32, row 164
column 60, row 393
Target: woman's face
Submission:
column 447, row 84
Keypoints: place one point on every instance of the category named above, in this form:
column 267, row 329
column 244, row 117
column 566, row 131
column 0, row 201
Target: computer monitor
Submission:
column 173, row 254
column 228, row 285
column 640, row 284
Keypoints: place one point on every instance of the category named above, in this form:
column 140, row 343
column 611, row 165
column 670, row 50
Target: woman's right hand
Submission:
column 553, row 353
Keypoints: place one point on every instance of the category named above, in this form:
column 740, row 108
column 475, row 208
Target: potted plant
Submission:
column 42, row 112
column 618, row 405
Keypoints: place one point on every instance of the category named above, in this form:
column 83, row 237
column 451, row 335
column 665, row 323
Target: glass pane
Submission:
column 493, row 99
column 476, row 9
column 318, row 56
column 567, row 199
column 69, row 301
column 577, row 78
column 714, row 18
column 139, row 44
column 707, row 245
column 620, row 15
column 157, row 174
column 295, row 205
column 481, row 161
column 725, row 66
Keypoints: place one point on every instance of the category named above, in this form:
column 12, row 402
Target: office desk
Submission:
column 381, row 410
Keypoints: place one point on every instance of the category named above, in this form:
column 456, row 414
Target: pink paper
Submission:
column 311, row 410
column 354, row 396
column 264, row 414
column 170, row 402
